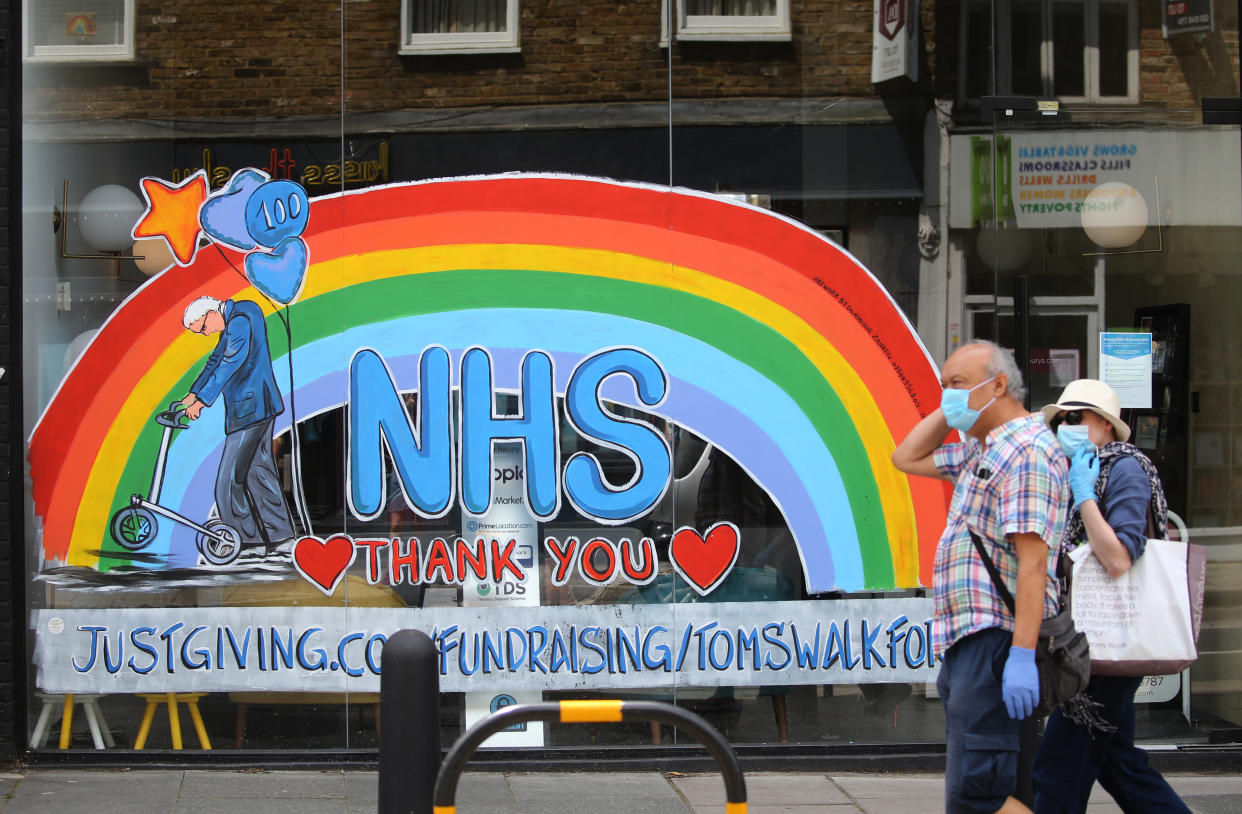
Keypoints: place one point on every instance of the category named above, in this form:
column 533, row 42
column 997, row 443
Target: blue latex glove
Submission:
column 1020, row 683
column 1084, row 472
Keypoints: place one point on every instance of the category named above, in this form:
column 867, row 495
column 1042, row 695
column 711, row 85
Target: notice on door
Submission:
column 1125, row 365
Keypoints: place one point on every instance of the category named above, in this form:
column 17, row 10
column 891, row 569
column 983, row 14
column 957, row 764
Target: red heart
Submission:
column 704, row 562
column 324, row 562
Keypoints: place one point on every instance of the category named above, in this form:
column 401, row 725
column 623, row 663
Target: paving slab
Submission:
column 484, row 791
column 99, row 792
column 764, row 789
column 362, row 787
column 628, row 793
column 263, row 805
column 302, row 785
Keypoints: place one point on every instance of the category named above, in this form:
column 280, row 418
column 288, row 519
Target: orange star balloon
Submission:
column 172, row 213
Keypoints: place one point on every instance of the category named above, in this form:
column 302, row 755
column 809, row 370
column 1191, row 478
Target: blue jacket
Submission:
column 240, row 368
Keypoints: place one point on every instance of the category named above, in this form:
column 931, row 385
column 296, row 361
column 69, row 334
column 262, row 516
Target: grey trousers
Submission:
column 247, row 484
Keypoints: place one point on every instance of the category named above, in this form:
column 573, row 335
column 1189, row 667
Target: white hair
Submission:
column 1002, row 361
column 199, row 308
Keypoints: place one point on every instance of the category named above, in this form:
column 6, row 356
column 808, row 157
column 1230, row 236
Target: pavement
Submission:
column 202, row 791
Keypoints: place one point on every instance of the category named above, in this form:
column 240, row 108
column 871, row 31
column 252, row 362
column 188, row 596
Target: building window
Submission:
column 78, row 30
column 732, row 19
column 1073, row 50
column 459, row 26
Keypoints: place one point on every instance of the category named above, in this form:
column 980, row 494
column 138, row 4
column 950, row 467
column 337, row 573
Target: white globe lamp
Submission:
column 107, row 215
column 152, row 255
column 1005, row 249
column 1114, row 215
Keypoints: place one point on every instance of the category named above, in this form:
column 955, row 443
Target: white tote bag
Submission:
column 1146, row 621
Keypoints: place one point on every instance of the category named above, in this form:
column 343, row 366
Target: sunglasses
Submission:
column 1073, row 418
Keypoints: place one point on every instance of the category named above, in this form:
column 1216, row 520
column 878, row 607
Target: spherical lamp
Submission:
column 1005, row 249
column 152, row 255
column 107, row 215
column 1114, row 215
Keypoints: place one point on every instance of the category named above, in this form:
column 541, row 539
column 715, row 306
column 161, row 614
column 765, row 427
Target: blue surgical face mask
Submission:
column 956, row 407
column 1072, row 439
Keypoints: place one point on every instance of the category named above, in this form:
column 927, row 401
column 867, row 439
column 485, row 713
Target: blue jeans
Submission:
column 981, row 755
column 1071, row 758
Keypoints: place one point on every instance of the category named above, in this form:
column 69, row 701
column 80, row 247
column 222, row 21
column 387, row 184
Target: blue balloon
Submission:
column 280, row 273
column 223, row 215
column 275, row 211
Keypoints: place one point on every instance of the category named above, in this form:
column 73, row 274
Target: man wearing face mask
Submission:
column 1116, row 490
column 1010, row 490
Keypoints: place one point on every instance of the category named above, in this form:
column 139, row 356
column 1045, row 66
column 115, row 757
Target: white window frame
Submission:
column 1091, row 52
column 726, row 27
column 112, row 52
column 466, row 42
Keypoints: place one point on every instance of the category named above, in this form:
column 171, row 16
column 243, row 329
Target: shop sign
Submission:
column 1185, row 17
column 894, row 40
column 849, row 641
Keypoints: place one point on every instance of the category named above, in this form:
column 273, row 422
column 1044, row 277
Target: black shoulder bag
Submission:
column 1061, row 656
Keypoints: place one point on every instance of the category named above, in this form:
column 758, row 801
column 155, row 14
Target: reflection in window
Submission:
column 68, row 30
column 730, row 19
column 459, row 26
column 445, row 17
column 751, row 8
column 1068, row 44
column 1027, row 74
column 1069, row 49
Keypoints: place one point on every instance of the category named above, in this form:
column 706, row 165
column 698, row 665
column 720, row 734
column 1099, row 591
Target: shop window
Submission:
column 78, row 30
column 1073, row 50
column 730, row 20
column 459, row 26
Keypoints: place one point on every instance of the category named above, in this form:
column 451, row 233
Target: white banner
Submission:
column 608, row 647
column 894, row 40
column 1051, row 173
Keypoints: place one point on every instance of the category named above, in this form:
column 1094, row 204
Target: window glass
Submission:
column 72, row 23
column 1069, row 54
column 1027, row 36
column 439, row 17
column 752, row 8
column 978, row 56
column 1114, row 45
column 649, row 316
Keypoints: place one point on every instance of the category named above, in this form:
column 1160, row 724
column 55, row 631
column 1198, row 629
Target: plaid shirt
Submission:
column 1019, row 483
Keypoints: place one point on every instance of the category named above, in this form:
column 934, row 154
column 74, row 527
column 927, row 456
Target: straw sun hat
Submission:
column 1093, row 395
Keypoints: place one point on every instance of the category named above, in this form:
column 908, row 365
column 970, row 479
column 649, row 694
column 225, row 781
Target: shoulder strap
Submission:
column 1001, row 587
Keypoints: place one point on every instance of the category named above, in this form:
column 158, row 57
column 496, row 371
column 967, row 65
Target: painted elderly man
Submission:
column 1010, row 489
column 248, row 494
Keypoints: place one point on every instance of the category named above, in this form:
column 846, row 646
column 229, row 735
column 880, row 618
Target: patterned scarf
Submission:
column 1158, row 513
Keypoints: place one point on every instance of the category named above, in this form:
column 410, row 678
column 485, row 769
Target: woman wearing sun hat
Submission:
column 1116, row 491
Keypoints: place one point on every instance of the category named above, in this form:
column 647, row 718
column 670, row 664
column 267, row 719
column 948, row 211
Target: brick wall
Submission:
column 1178, row 72
column 239, row 58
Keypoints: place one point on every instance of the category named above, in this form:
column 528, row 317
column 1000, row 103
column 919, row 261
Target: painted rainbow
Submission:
column 781, row 349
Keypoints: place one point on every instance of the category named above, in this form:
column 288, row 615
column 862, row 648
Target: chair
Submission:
column 100, row 733
column 190, row 699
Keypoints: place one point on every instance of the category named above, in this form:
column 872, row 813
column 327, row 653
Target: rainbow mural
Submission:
column 780, row 348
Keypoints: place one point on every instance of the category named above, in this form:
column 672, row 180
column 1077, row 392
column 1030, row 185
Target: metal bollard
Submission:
column 409, row 753
column 591, row 712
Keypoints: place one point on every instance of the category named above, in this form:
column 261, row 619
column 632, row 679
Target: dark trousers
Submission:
column 247, row 485
column 981, row 740
column 1072, row 757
